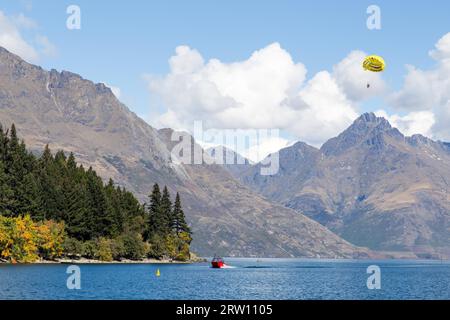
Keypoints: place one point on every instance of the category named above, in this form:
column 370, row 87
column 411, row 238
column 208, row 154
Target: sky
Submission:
column 288, row 65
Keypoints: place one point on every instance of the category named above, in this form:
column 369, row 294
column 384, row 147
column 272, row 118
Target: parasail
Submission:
column 374, row 63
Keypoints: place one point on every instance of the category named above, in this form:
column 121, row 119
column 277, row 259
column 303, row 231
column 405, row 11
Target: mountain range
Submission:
column 371, row 185
column 76, row 115
column 368, row 192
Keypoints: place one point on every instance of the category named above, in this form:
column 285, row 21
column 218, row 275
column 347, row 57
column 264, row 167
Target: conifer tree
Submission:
column 179, row 220
column 54, row 187
column 30, row 197
column 115, row 211
column 4, row 141
column 16, row 164
column 48, row 183
column 78, row 213
column 71, row 165
column 154, row 213
column 165, row 212
column 99, row 218
column 6, row 194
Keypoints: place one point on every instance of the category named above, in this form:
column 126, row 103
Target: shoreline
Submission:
column 201, row 260
column 93, row 261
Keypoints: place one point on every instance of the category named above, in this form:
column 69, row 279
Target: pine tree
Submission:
column 4, row 141
column 154, row 213
column 115, row 209
column 100, row 220
column 77, row 219
column 178, row 218
column 71, row 164
column 166, row 212
column 13, row 140
column 54, row 187
column 6, row 194
column 48, row 184
column 30, row 197
column 76, row 205
column 135, row 217
column 17, row 164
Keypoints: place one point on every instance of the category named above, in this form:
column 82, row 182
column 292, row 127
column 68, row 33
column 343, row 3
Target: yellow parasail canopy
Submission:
column 374, row 63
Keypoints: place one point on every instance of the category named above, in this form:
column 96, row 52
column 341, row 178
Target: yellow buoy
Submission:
column 158, row 273
column 374, row 63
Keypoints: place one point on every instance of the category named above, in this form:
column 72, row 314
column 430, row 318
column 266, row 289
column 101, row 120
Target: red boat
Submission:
column 217, row 262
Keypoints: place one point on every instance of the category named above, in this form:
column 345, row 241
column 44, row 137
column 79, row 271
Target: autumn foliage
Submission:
column 22, row 240
column 51, row 207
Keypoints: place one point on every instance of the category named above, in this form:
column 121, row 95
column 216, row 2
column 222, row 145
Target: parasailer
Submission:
column 373, row 63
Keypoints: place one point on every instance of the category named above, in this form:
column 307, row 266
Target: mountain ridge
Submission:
column 371, row 185
column 76, row 115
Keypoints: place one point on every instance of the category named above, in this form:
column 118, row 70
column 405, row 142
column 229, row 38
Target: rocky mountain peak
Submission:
column 6, row 55
column 368, row 121
column 13, row 66
column 64, row 78
column 368, row 127
column 418, row 139
column 371, row 185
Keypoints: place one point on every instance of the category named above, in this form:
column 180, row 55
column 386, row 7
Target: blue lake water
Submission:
column 248, row 279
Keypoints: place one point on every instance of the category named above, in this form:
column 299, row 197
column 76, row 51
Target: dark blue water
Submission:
column 249, row 279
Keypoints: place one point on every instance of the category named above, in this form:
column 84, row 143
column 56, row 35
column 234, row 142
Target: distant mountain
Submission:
column 73, row 114
column 371, row 185
column 296, row 164
column 229, row 159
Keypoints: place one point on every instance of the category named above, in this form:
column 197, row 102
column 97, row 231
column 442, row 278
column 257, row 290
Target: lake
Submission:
column 247, row 279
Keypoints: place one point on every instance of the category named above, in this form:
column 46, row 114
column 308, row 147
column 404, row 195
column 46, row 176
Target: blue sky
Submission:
column 120, row 41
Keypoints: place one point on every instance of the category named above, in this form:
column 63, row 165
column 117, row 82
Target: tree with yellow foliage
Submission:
column 24, row 241
column 50, row 238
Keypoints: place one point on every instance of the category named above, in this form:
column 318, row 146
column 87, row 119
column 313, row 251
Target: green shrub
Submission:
column 103, row 251
column 157, row 248
column 117, row 248
column 72, row 246
column 134, row 247
column 88, row 249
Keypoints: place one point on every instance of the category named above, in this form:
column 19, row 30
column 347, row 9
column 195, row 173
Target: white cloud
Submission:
column 258, row 152
column 429, row 90
column 353, row 79
column 268, row 90
column 115, row 90
column 328, row 110
column 185, row 61
column 12, row 39
column 442, row 49
column 46, row 47
column 419, row 122
column 255, row 148
column 23, row 21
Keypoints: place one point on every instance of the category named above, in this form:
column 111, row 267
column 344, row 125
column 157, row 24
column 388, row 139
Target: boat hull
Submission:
column 217, row 264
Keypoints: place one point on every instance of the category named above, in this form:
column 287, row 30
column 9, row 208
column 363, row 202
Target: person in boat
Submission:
column 217, row 262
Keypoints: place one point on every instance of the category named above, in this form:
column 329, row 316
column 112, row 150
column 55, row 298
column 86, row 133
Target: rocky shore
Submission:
column 194, row 259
